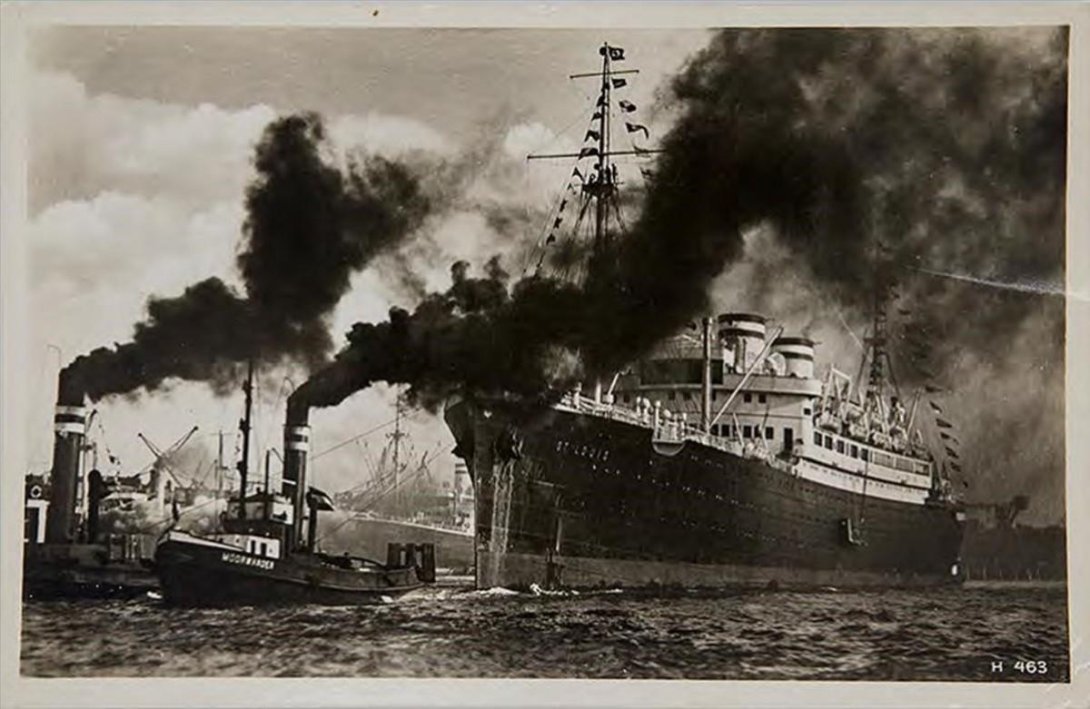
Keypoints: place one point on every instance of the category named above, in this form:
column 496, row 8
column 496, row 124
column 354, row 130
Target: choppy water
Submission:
column 953, row 634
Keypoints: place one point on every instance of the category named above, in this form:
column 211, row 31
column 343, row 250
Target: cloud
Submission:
column 133, row 198
column 83, row 144
column 390, row 135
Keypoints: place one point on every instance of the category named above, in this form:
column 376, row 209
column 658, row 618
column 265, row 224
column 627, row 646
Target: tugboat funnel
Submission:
column 69, row 429
column 294, row 485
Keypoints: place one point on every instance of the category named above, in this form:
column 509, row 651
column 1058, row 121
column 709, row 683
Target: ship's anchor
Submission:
column 508, row 445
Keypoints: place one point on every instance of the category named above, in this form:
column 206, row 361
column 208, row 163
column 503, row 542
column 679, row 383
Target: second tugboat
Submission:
column 262, row 556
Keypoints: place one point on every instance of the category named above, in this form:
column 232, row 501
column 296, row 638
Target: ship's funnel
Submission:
column 743, row 337
column 69, row 429
column 798, row 355
column 294, row 483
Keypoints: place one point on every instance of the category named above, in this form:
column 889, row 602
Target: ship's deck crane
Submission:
column 161, row 456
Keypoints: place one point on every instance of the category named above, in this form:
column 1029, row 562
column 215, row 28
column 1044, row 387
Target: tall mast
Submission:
column 244, row 426
column 706, row 377
column 876, row 376
column 601, row 186
column 604, row 174
column 396, row 436
column 219, row 467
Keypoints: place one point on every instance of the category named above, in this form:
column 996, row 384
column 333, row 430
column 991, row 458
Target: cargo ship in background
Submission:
column 717, row 461
column 403, row 502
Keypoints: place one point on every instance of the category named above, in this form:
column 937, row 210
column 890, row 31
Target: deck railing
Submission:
column 670, row 428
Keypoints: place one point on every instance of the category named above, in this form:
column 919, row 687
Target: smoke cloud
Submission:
column 863, row 151
column 481, row 336
column 310, row 224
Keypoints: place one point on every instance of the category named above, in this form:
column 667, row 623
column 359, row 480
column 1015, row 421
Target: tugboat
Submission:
column 66, row 553
column 262, row 556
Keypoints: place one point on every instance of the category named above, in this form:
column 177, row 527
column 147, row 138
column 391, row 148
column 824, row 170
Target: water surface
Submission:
column 950, row 634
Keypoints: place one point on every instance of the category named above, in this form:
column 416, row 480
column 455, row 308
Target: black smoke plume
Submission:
column 309, row 227
column 869, row 152
column 481, row 336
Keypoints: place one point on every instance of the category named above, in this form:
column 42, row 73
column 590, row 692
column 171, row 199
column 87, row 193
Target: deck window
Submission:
column 761, row 398
column 863, row 454
column 855, row 451
column 747, row 397
column 747, row 431
column 840, row 446
column 770, row 433
column 829, row 442
column 817, row 438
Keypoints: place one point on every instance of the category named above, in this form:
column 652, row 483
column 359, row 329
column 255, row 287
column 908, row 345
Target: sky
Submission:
column 141, row 141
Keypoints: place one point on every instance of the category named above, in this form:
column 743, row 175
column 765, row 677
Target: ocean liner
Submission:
column 716, row 461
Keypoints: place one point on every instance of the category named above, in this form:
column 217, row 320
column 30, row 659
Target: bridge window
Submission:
column 864, row 454
column 855, row 451
column 829, row 442
column 817, row 438
column 840, row 446
column 806, row 411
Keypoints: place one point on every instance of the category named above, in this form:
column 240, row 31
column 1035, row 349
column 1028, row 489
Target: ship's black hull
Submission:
column 207, row 576
column 566, row 499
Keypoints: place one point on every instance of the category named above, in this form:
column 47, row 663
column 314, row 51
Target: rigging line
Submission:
column 359, row 515
column 851, row 332
column 378, row 479
column 344, row 443
column 569, row 192
column 369, row 461
column 620, row 218
column 565, row 129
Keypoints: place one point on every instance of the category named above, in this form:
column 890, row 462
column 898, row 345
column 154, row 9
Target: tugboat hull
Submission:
column 60, row 571
column 209, row 575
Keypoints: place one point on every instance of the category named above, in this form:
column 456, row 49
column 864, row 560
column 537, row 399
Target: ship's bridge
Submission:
column 777, row 403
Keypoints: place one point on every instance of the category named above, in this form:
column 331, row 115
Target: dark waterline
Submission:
column 950, row 634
